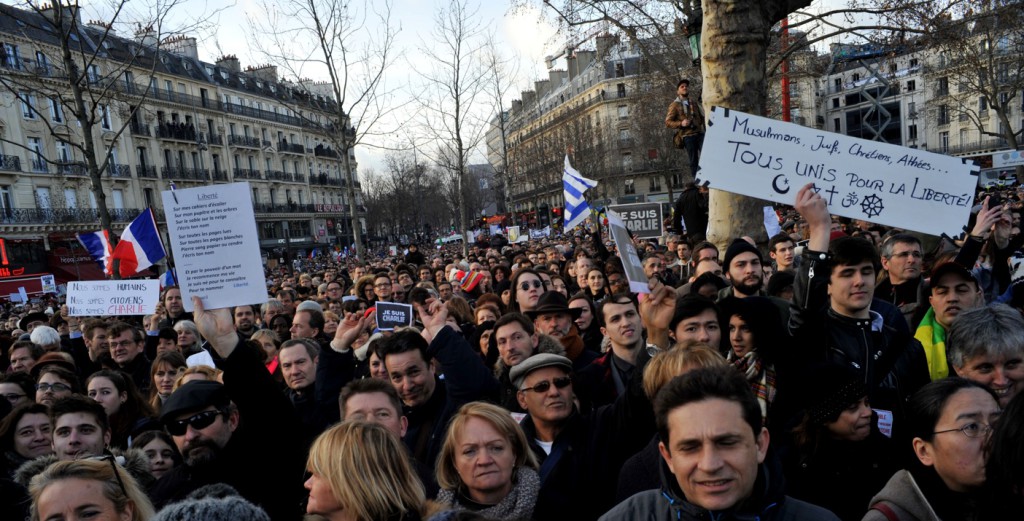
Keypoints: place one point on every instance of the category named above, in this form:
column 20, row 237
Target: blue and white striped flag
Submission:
column 573, row 185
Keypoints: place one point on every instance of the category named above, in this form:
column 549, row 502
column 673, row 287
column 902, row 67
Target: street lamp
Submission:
column 693, row 29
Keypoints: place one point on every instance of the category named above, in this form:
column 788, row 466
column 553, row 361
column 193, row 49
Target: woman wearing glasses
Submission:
column 95, row 489
column 486, row 465
column 527, row 287
column 949, row 421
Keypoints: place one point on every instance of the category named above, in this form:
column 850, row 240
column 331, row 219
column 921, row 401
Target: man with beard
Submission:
column 742, row 265
column 554, row 318
column 245, row 320
column 222, row 430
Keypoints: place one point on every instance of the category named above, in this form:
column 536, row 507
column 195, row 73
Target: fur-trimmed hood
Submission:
column 132, row 460
column 545, row 344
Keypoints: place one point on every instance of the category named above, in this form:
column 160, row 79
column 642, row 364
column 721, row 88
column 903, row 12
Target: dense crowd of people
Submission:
column 847, row 371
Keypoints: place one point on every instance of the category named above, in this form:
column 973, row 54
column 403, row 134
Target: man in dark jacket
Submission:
column 692, row 210
column 832, row 319
column 127, row 344
column 581, row 454
column 714, row 446
column 222, row 430
column 429, row 401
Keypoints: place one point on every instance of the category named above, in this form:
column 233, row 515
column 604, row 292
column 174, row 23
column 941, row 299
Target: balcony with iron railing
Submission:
column 245, row 173
column 324, row 180
column 220, row 175
column 291, row 148
column 146, row 172
column 40, row 166
column 121, row 171
column 216, row 140
column 299, row 178
column 971, row 147
column 277, row 175
column 187, row 174
column 67, row 215
column 244, row 141
column 283, row 208
column 10, row 163
column 322, row 151
column 139, row 129
column 179, row 132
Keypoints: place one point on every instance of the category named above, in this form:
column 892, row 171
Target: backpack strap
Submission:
column 886, row 511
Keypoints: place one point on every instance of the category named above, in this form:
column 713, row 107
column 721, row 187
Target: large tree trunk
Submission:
column 734, row 43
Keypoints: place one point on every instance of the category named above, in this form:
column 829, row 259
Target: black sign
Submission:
column 393, row 314
column 645, row 220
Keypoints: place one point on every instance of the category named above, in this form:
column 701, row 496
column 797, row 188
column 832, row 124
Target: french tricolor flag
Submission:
column 98, row 246
column 140, row 246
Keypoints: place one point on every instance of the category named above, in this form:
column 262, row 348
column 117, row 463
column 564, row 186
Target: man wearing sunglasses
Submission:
column 222, row 429
column 581, row 453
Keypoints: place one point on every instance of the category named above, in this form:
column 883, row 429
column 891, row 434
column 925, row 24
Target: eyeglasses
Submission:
column 57, row 387
column 113, row 468
column 13, row 397
column 971, row 430
column 525, row 285
column 200, row 420
column 542, row 387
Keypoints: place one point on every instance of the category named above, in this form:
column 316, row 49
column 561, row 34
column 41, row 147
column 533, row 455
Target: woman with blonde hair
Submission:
column 97, row 486
column 189, row 340
column 641, row 471
column 486, row 464
column 198, row 372
column 360, row 471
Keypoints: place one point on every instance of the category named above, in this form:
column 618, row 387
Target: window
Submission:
column 231, row 128
column 623, row 111
column 43, row 197
column 63, row 152
column 56, row 111
column 6, row 204
column 982, row 105
column 216, row 163
column 912, row 109
column 147, row 194
column 93, row 72
column 963, row 136
column 28, row 104
column 835, row 103
column 92, row 200
column 104, row 117
column 118, row 197
column 42, row 64
column 912, row 132
column 942, row 86
column 837, row 83
column 913, row 63
column 911, row 85
column 620, row 70
column 943, row 141
column 856, row 77
column 141, row 153
column 836, row 125
column 621, row 90
column 70, row 198
column 169, row 87
column 129, row 81
column 256, row 195
column 629, row 188
column 655, row 184
column 627, row 162
column 943, row 114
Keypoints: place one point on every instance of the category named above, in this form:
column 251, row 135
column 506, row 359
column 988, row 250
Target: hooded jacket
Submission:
column 766, row 503
column 132, row 460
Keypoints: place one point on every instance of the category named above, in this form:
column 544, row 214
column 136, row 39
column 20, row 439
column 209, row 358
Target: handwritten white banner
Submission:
column 112, row 297
column 860, row 179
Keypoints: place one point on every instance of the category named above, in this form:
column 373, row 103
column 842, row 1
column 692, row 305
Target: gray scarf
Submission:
column 518, row 504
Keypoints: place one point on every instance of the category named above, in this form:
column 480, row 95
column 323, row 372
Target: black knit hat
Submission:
column 830, row 389
column 737, row 247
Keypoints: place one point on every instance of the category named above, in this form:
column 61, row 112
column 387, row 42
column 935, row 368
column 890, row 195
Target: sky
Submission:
column 524, row 35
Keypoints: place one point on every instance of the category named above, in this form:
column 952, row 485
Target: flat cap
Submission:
column 519, row 373
column 193, row 396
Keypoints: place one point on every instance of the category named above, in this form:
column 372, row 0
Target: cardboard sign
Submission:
column 113, row 297
column 627, row 251
column 49, row 285
column 213, row 231
column 515, row 236
column 645, row 220
column 860, row 179
column 393, row 314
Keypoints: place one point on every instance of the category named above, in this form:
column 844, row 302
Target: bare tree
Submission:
column 455, row 83
column 352, row 45
column 81, row 71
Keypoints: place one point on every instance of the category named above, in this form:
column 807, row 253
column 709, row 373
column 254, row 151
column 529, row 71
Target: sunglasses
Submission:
column 57, row 387
column 197, row 421
column 525, row 285
column 542, row 387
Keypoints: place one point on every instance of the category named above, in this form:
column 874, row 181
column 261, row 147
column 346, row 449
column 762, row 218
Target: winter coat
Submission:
column 692, row 210
column 274, row 483
column 766, row 503
column 891, row 361
column 578, row 478
column 921, row 495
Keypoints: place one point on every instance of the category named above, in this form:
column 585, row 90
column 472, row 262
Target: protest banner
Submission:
column 627, row 252
column 515, row 235
column 393, row 314
column 860, row 179
column 213, row 233
column 112, row 297
column 645, row 220
column 541, row 233
column 48, row 283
